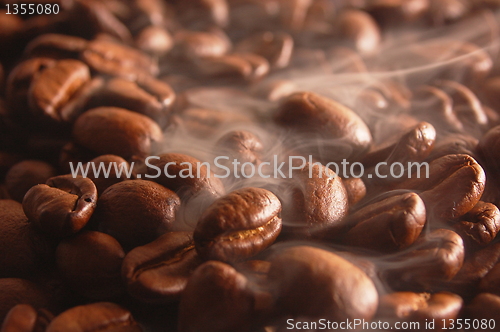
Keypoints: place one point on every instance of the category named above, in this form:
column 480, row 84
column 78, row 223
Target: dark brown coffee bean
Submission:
column 420, row 307
column 113, row 130
column 484, row 307
column 435, row 258
column 159, row 271
column 318, row 201
column 100, row 316
column 118, row 60
column 453, row 186
column 234, row 309
column 203, row 13
column 444, row 11
column 23, row 248
column 293, row 13
column 277, row 47
column 397, row 12
column 154, row 40
column 312, row 282
column 54, row 86
column 24, row 318
column 192, row 45
column 391, row 224
column 324, row 118
column 481, row 224
column 110, row 175
column 55, row 46
column 454, row 144
column 241, row 145
column 238, row 225
column 359, row 30
column 355, row 189
column 490, row 90
column 81, row 100
column 90, row 263
column 26, row 174
column 136, row 212
column 487, row 148
column 62, row 206
column 15, row 291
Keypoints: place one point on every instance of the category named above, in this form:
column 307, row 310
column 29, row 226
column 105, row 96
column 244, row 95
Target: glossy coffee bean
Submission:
column 273, row 90
column 243, row 66
column 26, row 174
column 111, row 174
column 484, row 307
column 24, row 318
column 100, row 316
column 242, row 145
column 224, row 295
column 454, row 144
column 154, row 40
column 62, row 206
column 481, row 224
column 239, row 225
column 193, row 45
column 159, row 271
column 355, row 189
column 56, row 46
column 392, row 224
column 113, row 130
column 90, row 262
column 277, row 48
column 203, row 13
column 359, row 30
column 397, row 12
column 136, row 212
column 23, row 248
column 312, row 282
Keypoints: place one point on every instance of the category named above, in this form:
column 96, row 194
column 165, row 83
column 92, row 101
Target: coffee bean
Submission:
column 109, row 162
column 81, row 100
column 26, row 174
column 484, row 306
column 55, row 46
column 62, row 206
column 359, row 30
column 277, row 48
column 238, row 225
column 154, row 40
column 244, row 66
column 23, row 317
column 454, row 144
column 113, row 130
column 241, row 145
column 136, row 212
column 312, row 282
column 273, row 90
column 203, row 13
column 100, row 316
column 345, row 60
column 481, row 224
column 355, row 189
column 159, row 271
column 191, row 45
column 388, row 12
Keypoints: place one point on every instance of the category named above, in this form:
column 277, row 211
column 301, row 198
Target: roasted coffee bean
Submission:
column 62, row 206
column 193, row 45
column 435, row 258
column 481, row 224
column 234, row 308
column 55, row 46
column 26, row 174
column 113, row 59
column 241, row 145
column 14, row 291
column 453, row 186
column 273, row 90
column 100, row 316
column 23, row 248
column 420, row 307
column 244, row 66
column 277, row 48
column 490, row 89
column 444, row 11
column 355, row 189
column 391, row 224
column 487, row 148
column 454, row 144
column 24, row 318
column 113, row 130
column 484, row 307
column 293, row 13
column 154, row 40
column 397, row 12
column 81, row 100
column 324, row 118
column 345, row 60
column 111, row 174
column 159, row 271
column 359, row 30
column 90, row 262
column 318, row 200
column 238, row 225
column 71, row 154
column 312, row 282
column 136, row 212
column 203, row 13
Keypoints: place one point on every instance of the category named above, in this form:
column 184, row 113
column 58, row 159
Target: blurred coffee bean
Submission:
column 55, row 86
column 198, row 14
column 315, row 283
column 154, row 40
column 23, row 248
column 481, row 224
column 445, row 11
column 100, row 316
column 55, row 46
column 317, row 201
column 277, row 48
column 62, row 206
column 389, row 225
column 488, row 147
column 245, row 66
column 24, row 318
column 345, row 60
column 90, row 263
column 192, row 45
column 389, row 12
column 81, row 100
column 454, row 144
column 355, row 189
column 358, row 30
column 324, row 118
column 437, row 257
column 452, row 186
column 273, row 90
column 224, row 295
column 484, row 307
column 490, row 90
column 136, row 212
column 239, row 225
column 14, row 291
column 242, row 145
column 420, row 307
column 114, row 130
column 159, row 271
column 26, row 174
column 114, row 59
column 293, row 13
column 114, row 169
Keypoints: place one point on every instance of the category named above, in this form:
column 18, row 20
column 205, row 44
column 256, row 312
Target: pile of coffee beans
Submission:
column 173, row 165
